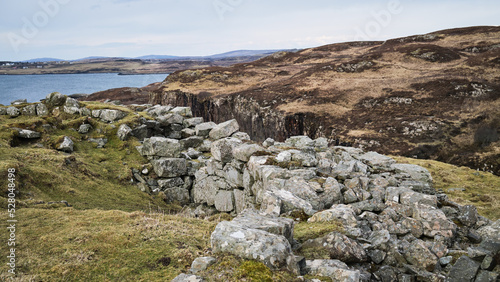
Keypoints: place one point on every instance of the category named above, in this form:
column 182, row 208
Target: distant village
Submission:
column 32, row 65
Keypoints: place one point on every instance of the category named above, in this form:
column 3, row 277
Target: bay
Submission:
column 36, row 87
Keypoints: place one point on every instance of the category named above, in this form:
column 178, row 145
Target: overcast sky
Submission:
column 71, row 29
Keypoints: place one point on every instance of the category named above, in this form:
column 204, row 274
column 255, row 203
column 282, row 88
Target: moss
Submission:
column 254, row 271
column 304, row 231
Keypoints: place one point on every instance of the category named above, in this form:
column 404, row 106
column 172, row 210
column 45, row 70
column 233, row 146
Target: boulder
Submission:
column 420, row 256
column 335, row 269
column 160, row 146
column 183, row 111
column 376, row 160
column 202, row 263
column 415, row 172
column 170, row 167
column 13, row 112
column 29, row 110
column 170, row 183
column 272, row 224
column 55, row 99
column 245, row 151
column 205, row 187
column 277, row 202
column 71, row 103
column 67, row 145
column 465, row 269
column 111, row 115
column 29, row 134
column 222, row 150
column 273, row 250
column 341, row 213
column 241, row 135
column 332, row 193
column 101, row 142
column 71, row 110
column 491, row 231
column 300, row 142
column 3, row 111
column 434, row 221
column 192, row 122
column 224, row 201
column 158, row 110
column 339, row 247
column 84, row 128
column 203, row 129
column 124, row 132
column 170, row 119
column 187, row 278
column 19, row 102
column 191, row 142
column 224, row 129
column 177, row 195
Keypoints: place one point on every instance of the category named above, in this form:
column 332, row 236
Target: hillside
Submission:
column 432, row 96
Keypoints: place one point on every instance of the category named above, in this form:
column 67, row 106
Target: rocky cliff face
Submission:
column 430, row 96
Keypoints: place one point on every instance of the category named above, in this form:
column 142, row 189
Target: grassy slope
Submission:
column 115, row 232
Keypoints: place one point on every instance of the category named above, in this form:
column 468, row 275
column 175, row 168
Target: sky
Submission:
column 73, row 29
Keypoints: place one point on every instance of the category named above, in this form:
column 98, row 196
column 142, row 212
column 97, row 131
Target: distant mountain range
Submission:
column 237, row 53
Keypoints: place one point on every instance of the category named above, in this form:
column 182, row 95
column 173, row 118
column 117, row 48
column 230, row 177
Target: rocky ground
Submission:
column 380, row 220
column 432, row 96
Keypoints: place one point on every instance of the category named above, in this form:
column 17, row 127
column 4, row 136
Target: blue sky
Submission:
column 71, row 29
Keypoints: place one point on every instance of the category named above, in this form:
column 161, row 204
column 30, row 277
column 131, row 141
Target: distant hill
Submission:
column 39, row 60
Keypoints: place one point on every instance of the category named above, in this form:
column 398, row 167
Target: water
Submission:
column 36, row 87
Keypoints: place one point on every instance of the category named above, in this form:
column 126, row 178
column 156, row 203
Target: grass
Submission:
column 482, row 189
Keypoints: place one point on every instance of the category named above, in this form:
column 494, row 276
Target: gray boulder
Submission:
column 170, row 167
column 300, row 141
column 491, row 231
column 3, row 111
column 415, row 172
column 170, row 119
column 124, row 132
column 203, row 129
column 245, row 151
column 224, row 201
column 434, row 221
column 335, row 269
column 249, row 243
column 84, row 128
column 13, row 112
column 101, row 142
column 202, row 263
column 420, row 256
column 55, row 99
column 19, row 102
column 465, row 269
column 222, row 150
column 272, row 224
column 177, row 195
column 160, row 146
column 339, row 247
column 111, row 115
column 342, row 213
column 277, row 202
column 67, row 145
column 183, row 111
column 376, row 160
column 192, row 122
column 158, row 110
column 29, row 110
column 29, row 134
column 71, row 103
column 188, row 278
column 224, row 129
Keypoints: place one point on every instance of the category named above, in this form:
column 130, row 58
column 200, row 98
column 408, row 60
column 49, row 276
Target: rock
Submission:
column 339, row 247
column 187, row 132
column 465, row 269
column 377, row 256
column 71, row 103
column 415, row 172
column 487, row 276
column 342, row 213
column 379, row 237
column 491, row 231
column 111, row 115
column 321, row 142
column 445, row 260
column 224, row 129
column 434, row 221
column 124, row 132
column 170, row 183
column 170, row 167
column 222, row 150
column 13, row 112
column 376, row 160
column 3, row 111
column 183, row 111
column 332, row 193
column 191, row 142
column 420, row 256
column 66, row 145
column 272, row 224
column 305, row 159
column 187, row 278
column 170, row 119
column 55, row 99
column 300, row 142
column 160, row 146
column 177, row 195
column 41, row 109
column 19, row 102
column 29, row 110
column 335, row 269
column 203, row 129
column 245, row 151
column 268, row 142
column 240, row 198
column 273, row 250
column 241, row 135
column 202, row 263
column 386, row 274
column 224, row 201
column 158, row 110
column 192, row 122
column 409, row 198
column 101, row 142
column 276, row 202
column 84, row 128
column 468, row 215
column 71, row 110
column 29, row 134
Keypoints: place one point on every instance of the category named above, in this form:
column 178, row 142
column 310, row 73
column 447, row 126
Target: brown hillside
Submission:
column 428, row 96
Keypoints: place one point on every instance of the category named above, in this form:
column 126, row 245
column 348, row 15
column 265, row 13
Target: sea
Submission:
column 36, row 87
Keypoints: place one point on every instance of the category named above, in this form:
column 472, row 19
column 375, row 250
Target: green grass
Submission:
column 482, row 189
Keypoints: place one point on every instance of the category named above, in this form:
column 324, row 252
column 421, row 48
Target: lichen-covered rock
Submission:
column 177, row 195
column 158, row 110
column 29, row 134
column 124, row 132
column 183, row 111
column 55, row 99
column 3, row 111
column 19, row 102
column 170, row 119
column 203, row 129
column 277, row 202
column 420, row 256
column 335, row 269
column 222, row 150
column 245, row 151
column 202, row 263
column 250, row 243
column 272, row 224
column 415, row 172
column 160, row 146
column 339, row 247
column 192, row 122
column 224, row 201
column 434, row 221
column 111, row 115
column 224, row 129
column 13, row 112
column 67, row 145
column 84, row 128
column 170, row 167
column 465, row 269
column 343, row 213
column 300, row 141
column 377, row 160
column 71, row 103
column 491, row 231
column 29, row 110
column 188, row 278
